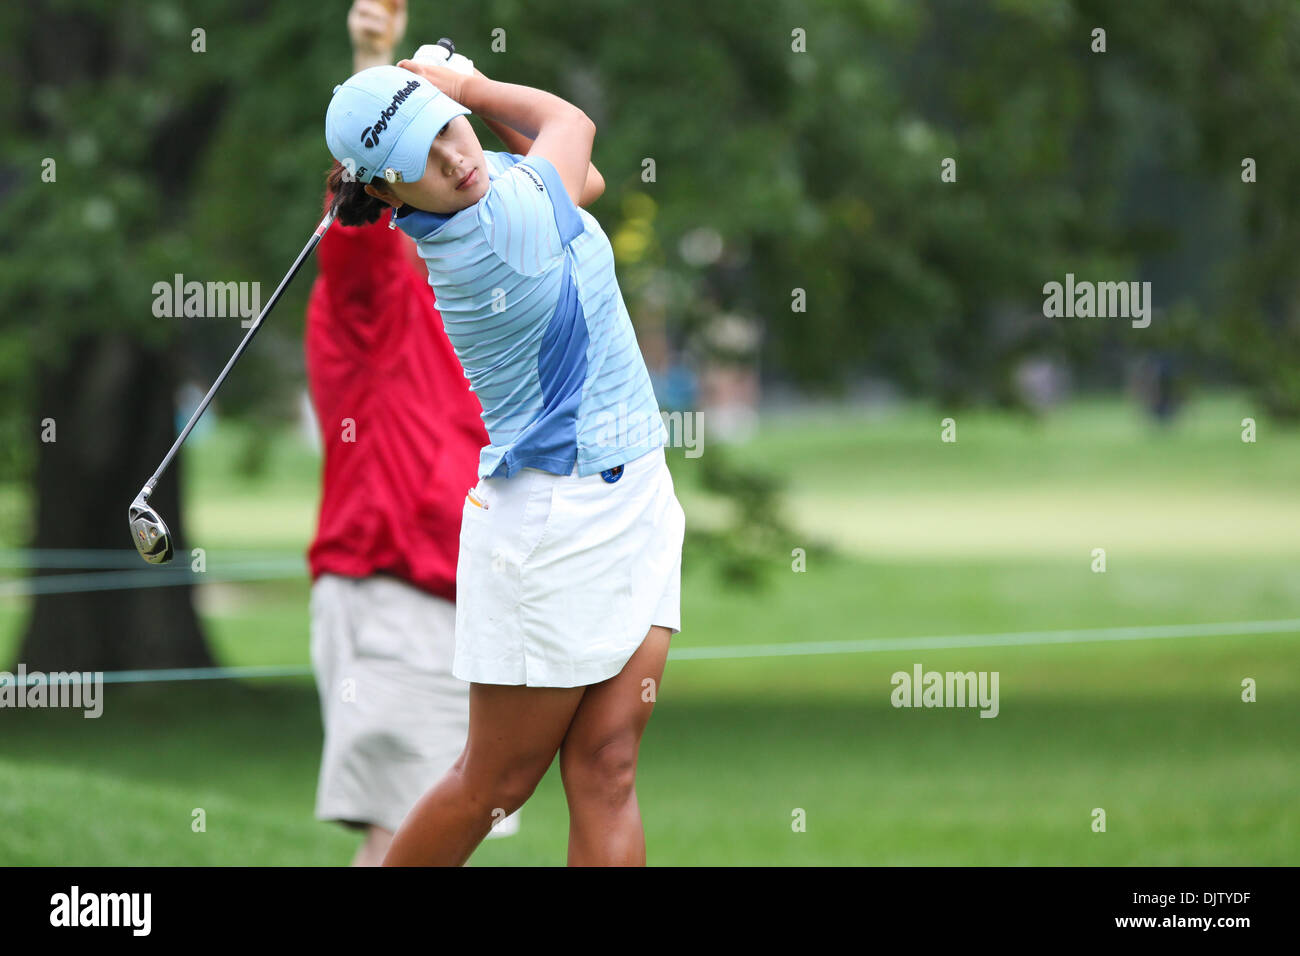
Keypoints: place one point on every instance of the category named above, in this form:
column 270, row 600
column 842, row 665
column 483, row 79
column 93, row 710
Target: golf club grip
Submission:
column 257, row 324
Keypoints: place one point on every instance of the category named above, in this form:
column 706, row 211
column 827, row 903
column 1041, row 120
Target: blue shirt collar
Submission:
column 419, row 224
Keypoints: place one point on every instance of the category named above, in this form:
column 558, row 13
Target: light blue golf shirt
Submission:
column 525, row 283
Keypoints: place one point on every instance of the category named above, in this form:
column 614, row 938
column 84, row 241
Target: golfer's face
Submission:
column 455, row 154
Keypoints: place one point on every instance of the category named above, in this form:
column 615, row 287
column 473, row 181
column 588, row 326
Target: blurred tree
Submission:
column 84, row 482
column 91, row 124
column 1226, row 73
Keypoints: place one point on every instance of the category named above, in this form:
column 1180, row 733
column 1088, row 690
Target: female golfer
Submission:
column 401, row 434
column 570, row 547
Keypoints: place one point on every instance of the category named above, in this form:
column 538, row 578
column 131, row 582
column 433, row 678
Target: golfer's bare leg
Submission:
column 373, row 847
column 514, row 733
column 598, row 760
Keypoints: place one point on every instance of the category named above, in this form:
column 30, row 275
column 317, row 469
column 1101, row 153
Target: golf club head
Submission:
column 149, row 532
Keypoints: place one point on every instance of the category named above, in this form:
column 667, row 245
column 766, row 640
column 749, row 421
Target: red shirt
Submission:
column 402, row 430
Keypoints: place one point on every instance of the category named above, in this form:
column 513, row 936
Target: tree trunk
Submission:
column 112, row 407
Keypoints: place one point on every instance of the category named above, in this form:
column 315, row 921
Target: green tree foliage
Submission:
column 819, row 170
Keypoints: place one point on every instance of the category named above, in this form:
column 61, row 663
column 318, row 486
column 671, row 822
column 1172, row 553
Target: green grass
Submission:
column 993, row 534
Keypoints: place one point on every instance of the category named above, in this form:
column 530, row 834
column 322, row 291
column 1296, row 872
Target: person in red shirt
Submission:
column 401, row 434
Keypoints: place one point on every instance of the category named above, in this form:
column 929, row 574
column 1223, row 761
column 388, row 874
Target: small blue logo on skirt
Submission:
column 612, row 474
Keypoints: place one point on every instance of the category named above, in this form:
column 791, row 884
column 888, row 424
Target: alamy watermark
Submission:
column 635, row 429
column 948, row 689
column 131, row 911
column 1102, row 300
column 207, row 300
column 83, row 690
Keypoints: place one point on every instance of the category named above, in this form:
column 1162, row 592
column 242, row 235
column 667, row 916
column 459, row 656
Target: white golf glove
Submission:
column 437, row 54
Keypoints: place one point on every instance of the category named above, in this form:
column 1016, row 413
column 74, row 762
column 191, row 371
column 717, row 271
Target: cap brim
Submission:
column 411, row 151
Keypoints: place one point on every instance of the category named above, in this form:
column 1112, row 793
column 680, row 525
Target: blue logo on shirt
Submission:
column 612, row 474
column 531, row 175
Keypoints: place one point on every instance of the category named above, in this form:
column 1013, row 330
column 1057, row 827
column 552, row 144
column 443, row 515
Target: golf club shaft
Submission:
column 257, row 324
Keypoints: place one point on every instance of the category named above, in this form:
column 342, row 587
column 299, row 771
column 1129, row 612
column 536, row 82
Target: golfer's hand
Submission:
column 375, row 28
column 447, row 80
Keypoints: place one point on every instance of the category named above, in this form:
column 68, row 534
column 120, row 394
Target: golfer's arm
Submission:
column 560, row 131
column 517, row 142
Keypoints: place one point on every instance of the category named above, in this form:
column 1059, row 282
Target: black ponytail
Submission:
column 353, row 206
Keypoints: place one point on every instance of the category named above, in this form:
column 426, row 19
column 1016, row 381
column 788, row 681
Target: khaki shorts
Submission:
column 395, row 718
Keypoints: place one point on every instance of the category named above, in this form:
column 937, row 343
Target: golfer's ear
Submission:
column 382, row 196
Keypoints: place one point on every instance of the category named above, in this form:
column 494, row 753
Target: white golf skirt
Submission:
column 560, row 577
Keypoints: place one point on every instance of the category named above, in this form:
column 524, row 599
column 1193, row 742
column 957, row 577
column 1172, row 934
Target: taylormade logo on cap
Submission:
column 386, row 118
column 370, row 135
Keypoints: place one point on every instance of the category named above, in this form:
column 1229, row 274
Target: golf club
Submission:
column 148, row 530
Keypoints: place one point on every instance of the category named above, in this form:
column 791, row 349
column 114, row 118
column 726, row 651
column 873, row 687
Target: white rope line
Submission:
column 85, row 559
column 754, row 651
column 1015, row 639
column 164, row 675
column 266, row 569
